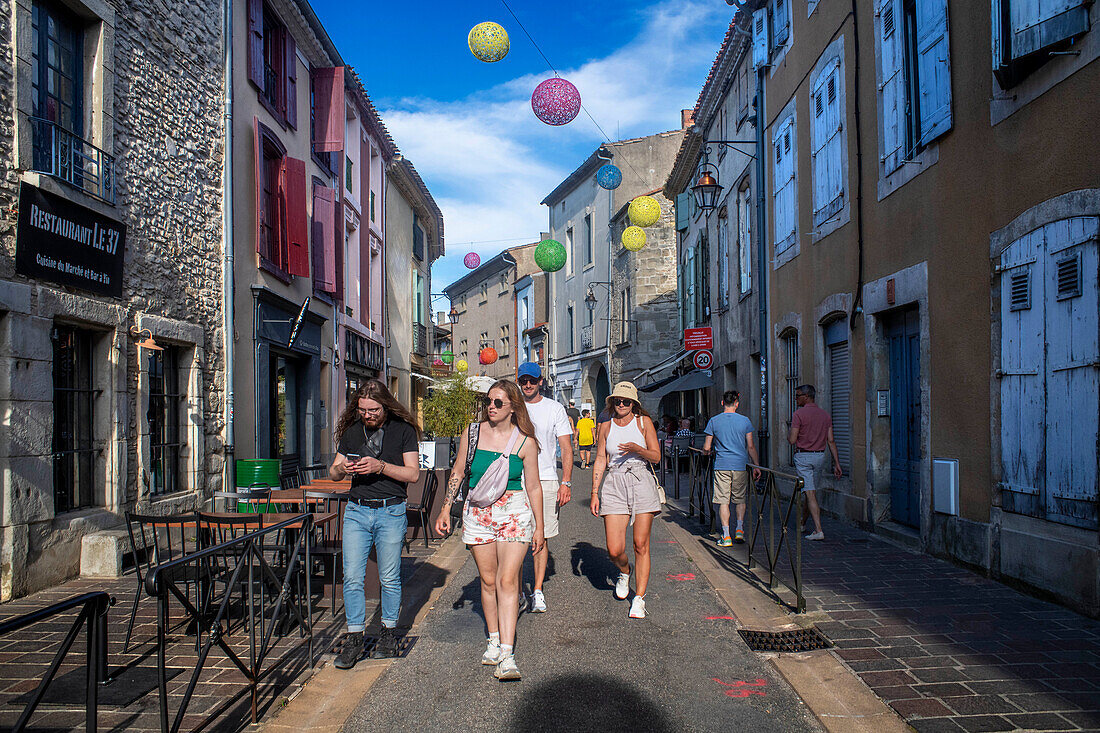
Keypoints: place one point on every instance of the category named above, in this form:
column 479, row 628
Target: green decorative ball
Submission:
column 644, row 211
column 447, row 357
column 550, row 255
column 633, row 238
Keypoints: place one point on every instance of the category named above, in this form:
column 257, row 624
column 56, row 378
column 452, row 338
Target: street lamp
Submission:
column 453, row 314
column 706, row 190
column 590, row 299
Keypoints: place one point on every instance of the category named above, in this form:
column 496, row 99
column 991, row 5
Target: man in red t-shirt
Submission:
column 811, row 431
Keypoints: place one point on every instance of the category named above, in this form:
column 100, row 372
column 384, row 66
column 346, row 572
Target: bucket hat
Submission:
column 625, row 389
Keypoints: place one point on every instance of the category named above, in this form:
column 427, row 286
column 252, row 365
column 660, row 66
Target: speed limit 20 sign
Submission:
column 702, row 359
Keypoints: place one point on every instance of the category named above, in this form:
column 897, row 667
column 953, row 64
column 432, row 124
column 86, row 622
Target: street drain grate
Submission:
column 404, row 644
column 795, row 640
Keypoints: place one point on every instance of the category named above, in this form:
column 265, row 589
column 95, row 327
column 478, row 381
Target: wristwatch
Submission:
column 568, row 483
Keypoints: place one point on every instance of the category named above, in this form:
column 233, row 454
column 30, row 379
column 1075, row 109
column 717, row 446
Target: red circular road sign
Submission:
column 702, row 359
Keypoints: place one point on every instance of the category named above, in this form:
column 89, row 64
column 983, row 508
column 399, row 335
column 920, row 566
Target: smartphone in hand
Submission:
column 351, row 458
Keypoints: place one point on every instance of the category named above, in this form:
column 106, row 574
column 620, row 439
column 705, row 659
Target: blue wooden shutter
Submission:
column 891, row 84
column 933, row 69
column 683, row 210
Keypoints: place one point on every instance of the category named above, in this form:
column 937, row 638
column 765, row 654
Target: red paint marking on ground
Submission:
column 719, row 618
column 738, row 687
column 681, row 576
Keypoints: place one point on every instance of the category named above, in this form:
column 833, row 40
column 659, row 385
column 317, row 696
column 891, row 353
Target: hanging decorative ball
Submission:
column 488, row 355
column 556, row 101
column 633, row 238
column 609, row 177
column 447, row 357
column 471, row 260
column 437, row 363
column 644, row 211
column 461, row 365
column 488, row 42
column 550, row 255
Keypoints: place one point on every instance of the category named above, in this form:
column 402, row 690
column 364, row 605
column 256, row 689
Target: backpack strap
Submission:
column 471, row 446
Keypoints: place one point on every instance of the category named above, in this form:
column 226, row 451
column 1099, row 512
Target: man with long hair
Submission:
column 377, row 446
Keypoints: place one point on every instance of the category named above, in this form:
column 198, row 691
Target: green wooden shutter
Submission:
column 684, row 202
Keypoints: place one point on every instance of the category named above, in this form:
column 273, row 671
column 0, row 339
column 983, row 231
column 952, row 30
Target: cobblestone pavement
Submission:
column 131, row 703
column 946, row 648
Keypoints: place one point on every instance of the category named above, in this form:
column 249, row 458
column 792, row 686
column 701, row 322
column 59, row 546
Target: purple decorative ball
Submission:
column 471, row 260
column 556, row 101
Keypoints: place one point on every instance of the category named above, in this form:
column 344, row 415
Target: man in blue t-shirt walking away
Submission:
column 730, row 435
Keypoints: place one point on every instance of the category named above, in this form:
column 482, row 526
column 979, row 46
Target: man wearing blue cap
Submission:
column 551, row 425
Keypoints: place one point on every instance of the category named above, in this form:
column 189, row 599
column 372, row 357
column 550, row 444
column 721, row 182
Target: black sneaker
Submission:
column 387, row 645
column 352, row 650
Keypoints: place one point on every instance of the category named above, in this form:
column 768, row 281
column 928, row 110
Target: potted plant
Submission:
column 447, row 411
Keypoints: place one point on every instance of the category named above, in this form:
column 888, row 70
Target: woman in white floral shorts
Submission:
column 498, row 535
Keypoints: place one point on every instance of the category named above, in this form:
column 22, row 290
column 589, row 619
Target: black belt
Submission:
column 377, row 503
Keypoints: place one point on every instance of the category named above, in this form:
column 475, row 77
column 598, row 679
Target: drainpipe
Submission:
column 762, row 259
column 227, row 239
column 602, row 155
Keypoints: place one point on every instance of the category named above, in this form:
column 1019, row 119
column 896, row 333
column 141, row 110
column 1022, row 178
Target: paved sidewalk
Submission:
column 585, row 664
column 131, row 703
column 947, row 649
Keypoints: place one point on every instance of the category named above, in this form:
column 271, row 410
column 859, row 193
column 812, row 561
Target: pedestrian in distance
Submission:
column 377, row 440
column 729, row 435
column 574, row 417
column 553, row 431
column 498, row 535
column 685, row 429
column 811, row 431
column 625, row 444
column 586, row 436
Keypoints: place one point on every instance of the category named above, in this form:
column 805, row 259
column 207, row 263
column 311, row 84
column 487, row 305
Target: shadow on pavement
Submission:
column 593, row 563
column 617, row 707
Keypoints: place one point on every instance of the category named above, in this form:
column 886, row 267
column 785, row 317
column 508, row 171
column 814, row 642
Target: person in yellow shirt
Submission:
column 586, row 428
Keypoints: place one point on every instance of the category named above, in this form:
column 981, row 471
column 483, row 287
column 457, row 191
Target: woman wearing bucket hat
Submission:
column 625, row 444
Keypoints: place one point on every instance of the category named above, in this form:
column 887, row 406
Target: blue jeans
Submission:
column 383, row 527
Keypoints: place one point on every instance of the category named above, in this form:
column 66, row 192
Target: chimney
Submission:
column 687, row 118
column 441, row 318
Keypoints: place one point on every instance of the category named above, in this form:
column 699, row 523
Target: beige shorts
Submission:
column 729, row 484
column 810, row 467
column 629, row 490
column 550, row 508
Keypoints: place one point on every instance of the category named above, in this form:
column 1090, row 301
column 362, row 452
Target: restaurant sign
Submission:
column 67, row 243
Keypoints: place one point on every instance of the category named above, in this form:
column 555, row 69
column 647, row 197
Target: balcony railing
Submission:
column 61, row 154
column 420, row 339
column 586, row 338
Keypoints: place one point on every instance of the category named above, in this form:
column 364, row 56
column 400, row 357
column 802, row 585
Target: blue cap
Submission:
column 530, row 369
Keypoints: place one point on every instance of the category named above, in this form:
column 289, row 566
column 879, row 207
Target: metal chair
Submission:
column 220, row 566
column 421, row 502
column 156, row 540
column 256, row 497
column 329, row 543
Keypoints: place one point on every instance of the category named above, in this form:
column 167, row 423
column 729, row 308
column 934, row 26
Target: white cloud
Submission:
column 489, row 162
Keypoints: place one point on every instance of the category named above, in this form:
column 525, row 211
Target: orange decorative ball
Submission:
column 488, row 355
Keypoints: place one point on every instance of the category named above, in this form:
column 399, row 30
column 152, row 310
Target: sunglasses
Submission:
column 622, row 402
column 495, row 403
column 524, row 381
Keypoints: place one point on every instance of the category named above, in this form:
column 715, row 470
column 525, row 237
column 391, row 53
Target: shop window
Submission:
column 74, row 454
column 285, row 405
column 167, row 439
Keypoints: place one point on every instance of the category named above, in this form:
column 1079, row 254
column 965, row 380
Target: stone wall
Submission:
column 154, row 102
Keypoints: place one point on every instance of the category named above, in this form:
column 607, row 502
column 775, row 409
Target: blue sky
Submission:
column 467, row 126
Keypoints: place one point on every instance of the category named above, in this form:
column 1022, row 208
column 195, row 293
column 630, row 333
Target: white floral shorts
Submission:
column 510, row 519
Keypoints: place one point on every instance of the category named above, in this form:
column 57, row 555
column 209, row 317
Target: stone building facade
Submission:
column 127, row 139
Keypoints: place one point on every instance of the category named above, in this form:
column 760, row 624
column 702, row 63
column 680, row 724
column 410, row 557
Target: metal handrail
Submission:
column 248, row 552
column 778, row 513
column 93, row 611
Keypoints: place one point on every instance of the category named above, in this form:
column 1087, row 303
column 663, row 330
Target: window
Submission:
column 324, row 158
column 811, row 6
column 1023, row 29
column 701, row 276
column 626, row 311
column 915, row 77
column 503, row 284
column 74, row 454
column 349, row 177
column 166, row 438
column 483, row 292
column 286, row 408
column 283, row 225
column 744, row 240
column 838, row 369
column 790, row 351
column 588, row 244
column 418, row 240
column 720, row 130
column 57, row 76
column 273, row 62
column 323, row 246
column 570, row 253
column 505, row 341
column 781, row 24
column 785, row 188
column 827, row 150
column 744, row 92
column 572, row 330
column 723, row 261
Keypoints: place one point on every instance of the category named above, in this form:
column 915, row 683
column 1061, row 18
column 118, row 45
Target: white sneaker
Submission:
column 492, row 653
column 538, row 602
column 637, row 608
column 507, row 669
column 815, row 536
column 622, row 586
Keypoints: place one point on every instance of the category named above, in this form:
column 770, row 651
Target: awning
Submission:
column 684, row 383
column 668, row 363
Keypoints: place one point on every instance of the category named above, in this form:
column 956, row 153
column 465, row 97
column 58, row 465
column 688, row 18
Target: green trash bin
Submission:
column 258, row 472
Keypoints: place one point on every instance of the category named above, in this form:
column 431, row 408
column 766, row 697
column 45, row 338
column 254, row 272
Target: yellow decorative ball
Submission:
column 644, row 211
column 634, row 238
column 461, row 365
column 488, row 42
